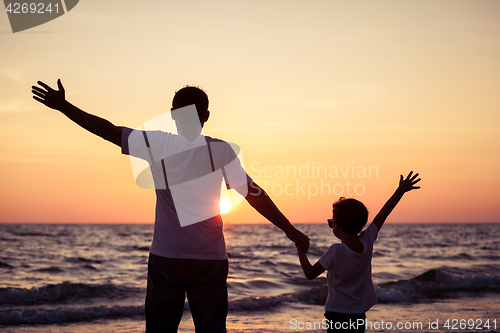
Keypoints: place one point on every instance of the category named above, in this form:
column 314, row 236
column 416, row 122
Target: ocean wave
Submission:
column 44, row 316
column 52, row 269
column 89, row 267
column 132, row 248
column 438, row 284
column 33, row 234
column 258, row 303
column 141, row 248
column 79, row 260
column 65, row 292
column 431, row 285
column 76, row 313
column 316, row 296
column 239, row 255
column 5, row 265
column 3, row 239
column 66, row 302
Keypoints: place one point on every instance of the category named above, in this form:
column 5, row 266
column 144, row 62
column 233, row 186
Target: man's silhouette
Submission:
column 188, row 253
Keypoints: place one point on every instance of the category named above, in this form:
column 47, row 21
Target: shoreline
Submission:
column 302, row 318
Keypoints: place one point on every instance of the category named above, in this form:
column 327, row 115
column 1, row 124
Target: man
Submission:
column 188, row 253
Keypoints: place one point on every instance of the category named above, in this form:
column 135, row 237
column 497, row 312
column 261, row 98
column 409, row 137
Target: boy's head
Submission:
column 192, row 95
column 350, row 214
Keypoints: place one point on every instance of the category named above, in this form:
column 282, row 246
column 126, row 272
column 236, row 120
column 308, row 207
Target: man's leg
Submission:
column 165, row 296
column 207, row 296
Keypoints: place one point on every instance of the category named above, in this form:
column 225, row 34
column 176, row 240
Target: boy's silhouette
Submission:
column 185, row 258
column 350, row 288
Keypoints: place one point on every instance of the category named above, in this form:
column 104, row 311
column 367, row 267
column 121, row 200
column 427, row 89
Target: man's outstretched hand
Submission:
column 54, row 99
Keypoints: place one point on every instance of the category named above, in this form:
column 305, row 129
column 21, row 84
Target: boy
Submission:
column 350, row 288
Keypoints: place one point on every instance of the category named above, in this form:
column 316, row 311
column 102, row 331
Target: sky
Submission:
column 325, row 99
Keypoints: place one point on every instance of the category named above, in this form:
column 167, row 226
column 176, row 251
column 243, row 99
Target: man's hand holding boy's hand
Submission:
column 408, row 184
column 301, row 240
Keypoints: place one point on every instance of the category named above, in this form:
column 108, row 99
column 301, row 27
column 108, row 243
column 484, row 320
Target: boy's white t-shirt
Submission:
column 350, row 286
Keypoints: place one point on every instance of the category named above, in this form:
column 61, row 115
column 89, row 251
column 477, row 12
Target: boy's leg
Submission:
column 207, row 296
column 345, row 322
column 165, row 296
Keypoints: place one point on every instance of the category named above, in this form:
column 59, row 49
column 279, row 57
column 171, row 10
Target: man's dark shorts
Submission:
column 204, row 282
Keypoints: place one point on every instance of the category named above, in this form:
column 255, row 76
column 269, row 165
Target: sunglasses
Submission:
column 330, row 222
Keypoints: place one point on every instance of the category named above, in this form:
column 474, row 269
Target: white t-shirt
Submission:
column 187, row 179
column 349, row 277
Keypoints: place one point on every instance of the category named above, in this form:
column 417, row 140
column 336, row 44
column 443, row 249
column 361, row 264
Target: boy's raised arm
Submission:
column 405, row 185
column 55, row 99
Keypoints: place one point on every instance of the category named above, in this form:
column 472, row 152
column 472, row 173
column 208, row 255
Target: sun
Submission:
column 225, row 206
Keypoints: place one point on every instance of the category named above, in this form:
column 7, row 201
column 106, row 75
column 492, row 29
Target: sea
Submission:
column 92, row 278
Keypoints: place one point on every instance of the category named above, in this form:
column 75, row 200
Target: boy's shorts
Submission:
column 345, row 322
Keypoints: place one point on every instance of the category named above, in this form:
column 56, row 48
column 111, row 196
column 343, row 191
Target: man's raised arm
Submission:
column 55, row 99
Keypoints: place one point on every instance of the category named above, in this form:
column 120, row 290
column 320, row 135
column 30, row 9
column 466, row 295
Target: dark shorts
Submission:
column 345, row 322
column 204, row 283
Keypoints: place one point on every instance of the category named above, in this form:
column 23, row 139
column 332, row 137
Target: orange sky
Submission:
column 391, row 85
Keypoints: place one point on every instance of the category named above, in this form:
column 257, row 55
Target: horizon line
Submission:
column 236, row 223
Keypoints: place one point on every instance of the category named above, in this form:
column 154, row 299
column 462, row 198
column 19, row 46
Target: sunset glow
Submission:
column 225, row 207
column 325, row 99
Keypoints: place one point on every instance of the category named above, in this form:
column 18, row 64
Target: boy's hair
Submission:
column 351, row 214
column 192, row 95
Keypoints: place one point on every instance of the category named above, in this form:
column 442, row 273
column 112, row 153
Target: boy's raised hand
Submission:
column 405, row 185
column 408, row 184
column 51, row 98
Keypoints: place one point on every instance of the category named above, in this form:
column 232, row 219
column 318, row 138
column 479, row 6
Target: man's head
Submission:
column 192, row 95
column 350, row 214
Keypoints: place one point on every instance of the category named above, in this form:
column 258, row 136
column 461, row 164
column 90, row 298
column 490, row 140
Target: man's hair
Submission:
column 351, row 214
column 192, row 95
